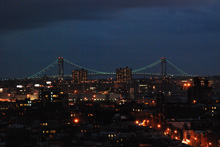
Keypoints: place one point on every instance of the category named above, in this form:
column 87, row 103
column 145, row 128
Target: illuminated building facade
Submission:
column 79, row 76
column 124, row 75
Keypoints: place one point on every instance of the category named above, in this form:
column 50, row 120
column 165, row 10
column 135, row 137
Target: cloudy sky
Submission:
column 105, row 34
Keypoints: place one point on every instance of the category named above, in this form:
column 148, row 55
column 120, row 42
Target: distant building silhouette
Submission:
column 124, row 75
column 200, row 91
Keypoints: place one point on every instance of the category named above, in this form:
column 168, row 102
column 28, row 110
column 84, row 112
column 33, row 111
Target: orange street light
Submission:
column 76, row 120
column 194, row 101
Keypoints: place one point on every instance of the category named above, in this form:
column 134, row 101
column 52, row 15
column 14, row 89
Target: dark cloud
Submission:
column 31, row 13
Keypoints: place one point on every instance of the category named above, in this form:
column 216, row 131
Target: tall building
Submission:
column 79, row 76
column 200, row 91
column 124, row 75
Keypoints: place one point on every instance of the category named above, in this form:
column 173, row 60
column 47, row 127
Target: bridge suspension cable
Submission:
column 148, row 66
column 99, row 72
column 105, row 73
column 43, row 70
column 179, row 70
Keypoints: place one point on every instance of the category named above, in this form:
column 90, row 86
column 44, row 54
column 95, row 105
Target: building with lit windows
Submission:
column 79, row 76
column 53, row 97
column 124, row 75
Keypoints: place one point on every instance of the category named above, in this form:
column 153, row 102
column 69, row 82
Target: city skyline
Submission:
column 106, row 35
column 161, row 67
column 110, row 73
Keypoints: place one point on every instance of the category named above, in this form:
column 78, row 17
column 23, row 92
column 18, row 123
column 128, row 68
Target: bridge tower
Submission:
column 163, row 66
column 61, row 68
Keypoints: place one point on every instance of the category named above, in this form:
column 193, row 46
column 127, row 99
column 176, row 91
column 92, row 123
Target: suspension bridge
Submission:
column 91, row 72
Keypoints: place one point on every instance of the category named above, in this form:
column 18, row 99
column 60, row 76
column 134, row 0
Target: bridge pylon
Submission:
column 163, row 66
column 61, row 68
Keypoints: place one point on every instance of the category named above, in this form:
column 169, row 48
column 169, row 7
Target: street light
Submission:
column 76, row 120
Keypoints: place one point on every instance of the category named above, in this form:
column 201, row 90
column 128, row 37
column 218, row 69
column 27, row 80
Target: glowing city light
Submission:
column 76, row 120
column 36, row 85
column 19, row 86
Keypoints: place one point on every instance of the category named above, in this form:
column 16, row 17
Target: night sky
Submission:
column 106, row 34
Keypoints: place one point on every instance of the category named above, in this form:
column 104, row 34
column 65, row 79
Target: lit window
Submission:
column 52, row 131
column 44, row 124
